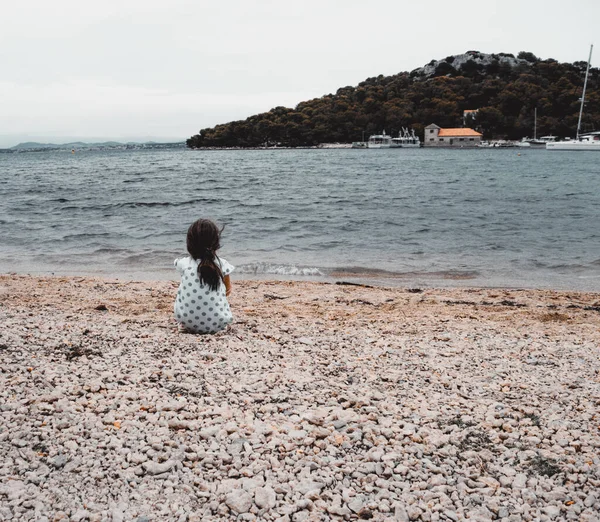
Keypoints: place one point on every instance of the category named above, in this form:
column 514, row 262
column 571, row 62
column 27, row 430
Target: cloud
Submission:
column 188, row 64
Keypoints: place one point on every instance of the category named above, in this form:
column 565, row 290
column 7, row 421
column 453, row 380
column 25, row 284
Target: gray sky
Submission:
column 137, row 69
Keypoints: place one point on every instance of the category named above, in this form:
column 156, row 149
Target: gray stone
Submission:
column 308, row 485
column 400, row 513
column 59, row 461
column 339, row 511
column 356, row 504
column 155, row 468
column 265, row 498
column 80, row 514
column 520, row 481
column 239, row 501
column 552, row 511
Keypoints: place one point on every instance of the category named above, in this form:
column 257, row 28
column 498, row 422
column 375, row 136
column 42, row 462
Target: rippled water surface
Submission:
column 406, row 217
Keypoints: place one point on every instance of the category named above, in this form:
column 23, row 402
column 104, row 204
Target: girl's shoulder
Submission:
column 183, row 263
column 226, row 266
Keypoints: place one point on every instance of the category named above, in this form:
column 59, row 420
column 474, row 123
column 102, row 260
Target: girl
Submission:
column 201, row 305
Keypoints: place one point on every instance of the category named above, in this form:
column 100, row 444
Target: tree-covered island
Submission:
column 504, row 89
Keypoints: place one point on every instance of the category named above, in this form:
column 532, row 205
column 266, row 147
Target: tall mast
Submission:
column 535, row 124
column 587, row 72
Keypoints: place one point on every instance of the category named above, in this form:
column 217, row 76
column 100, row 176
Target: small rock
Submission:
column 59, row 461
column 400, row 513
column 520, row 481
column 451, row 515
column 339, row 511
column 308, row 485
column 239, row 501
column 356, row 504
column 80, row 514
column 552, row 511
column 154, row 468
column 265, row 498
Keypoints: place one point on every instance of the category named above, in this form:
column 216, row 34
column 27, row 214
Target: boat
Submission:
column 535, row 142
column 582, row 141
column 501, row 144
column 406, row 139
column 380, row 141
column 587, row 141
column 360, row 144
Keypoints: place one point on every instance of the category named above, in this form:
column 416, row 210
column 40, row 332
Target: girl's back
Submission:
column 198, row 307
column 201, row 305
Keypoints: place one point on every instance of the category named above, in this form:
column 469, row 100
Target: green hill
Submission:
column 505, row 89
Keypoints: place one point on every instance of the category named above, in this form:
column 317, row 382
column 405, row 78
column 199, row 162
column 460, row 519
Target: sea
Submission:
column 512, row 218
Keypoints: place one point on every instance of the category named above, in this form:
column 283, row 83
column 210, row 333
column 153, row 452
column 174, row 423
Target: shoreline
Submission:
column 321, row 401
column 378, row 278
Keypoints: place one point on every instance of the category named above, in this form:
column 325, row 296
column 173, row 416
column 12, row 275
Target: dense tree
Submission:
column 506, row 90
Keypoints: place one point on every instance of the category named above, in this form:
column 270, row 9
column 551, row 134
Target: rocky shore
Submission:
column 321, row 402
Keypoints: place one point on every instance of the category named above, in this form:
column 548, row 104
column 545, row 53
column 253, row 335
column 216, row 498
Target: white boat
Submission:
column 501, row 144
column 585, row 141
column 535, row 142
column 380, row 141
column 406, row 139
column 360, row 144
column 589, row 141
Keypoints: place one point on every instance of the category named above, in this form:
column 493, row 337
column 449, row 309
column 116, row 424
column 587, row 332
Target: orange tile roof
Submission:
column 458, row 132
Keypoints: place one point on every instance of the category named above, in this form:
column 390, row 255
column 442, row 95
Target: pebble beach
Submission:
column 320, row 402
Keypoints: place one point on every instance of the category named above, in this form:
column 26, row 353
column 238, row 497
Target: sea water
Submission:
column 513, row 217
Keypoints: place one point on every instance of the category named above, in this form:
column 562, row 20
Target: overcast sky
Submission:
column 137, row 69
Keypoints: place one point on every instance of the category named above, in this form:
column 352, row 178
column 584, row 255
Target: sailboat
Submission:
column 586, row 141
column 536, row 143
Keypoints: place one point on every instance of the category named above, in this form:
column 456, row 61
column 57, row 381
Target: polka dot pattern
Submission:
column 197, row 307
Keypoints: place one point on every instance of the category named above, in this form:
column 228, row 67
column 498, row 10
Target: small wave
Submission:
column 137, row 204
column 274, row 269
column 362, row 272
column 85, row 236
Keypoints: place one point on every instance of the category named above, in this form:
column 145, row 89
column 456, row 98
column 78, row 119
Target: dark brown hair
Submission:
column 203, row 241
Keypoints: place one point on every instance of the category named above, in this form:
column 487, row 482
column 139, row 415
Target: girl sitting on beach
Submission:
column 201, row 305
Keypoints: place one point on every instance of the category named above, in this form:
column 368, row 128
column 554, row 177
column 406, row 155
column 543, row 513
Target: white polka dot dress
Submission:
column 197, row 307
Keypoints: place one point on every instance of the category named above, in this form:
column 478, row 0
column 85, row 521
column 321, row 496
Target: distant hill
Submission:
column 33, row 145
column 504, row 89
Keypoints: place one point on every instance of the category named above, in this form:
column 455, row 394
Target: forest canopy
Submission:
column 504, row 89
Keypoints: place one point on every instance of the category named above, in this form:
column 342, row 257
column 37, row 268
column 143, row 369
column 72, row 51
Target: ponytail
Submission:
column 209, row 271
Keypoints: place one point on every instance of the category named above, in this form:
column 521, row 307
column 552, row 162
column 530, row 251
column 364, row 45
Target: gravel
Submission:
column 331, row 403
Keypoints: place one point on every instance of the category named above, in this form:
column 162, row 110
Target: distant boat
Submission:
column 536, row 143
column 539, row 143
column 360, row 144
column 380, row 141
column 406, row 139
column 585, row 141
column 502, row 144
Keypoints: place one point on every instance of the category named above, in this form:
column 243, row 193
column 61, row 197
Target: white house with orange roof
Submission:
column 458, row 138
